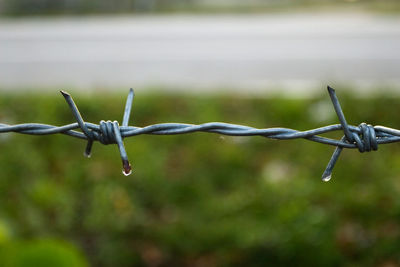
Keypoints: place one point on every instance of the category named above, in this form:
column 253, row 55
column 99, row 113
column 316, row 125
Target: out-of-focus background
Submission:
column 199, row 199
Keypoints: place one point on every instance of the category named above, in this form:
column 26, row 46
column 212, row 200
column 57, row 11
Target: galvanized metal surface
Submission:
column 365, row 137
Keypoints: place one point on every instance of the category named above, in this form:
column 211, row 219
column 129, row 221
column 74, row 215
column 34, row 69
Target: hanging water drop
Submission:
column 327, row 178
column 87, row 155
column 126, row 173
column 127, row 169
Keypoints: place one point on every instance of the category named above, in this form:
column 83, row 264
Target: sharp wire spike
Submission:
column 327, row 175
column 124, row 156
column 339, row 112
column 81, row 122
column 88, row 149
column 128, row 107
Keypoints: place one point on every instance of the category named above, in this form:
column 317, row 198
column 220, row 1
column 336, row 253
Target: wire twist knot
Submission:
column 365, row 139
column 107, row 134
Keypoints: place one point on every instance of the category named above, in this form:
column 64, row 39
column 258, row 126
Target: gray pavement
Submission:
column 246, row 53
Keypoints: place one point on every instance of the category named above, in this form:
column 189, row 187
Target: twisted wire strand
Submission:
column 364, row 137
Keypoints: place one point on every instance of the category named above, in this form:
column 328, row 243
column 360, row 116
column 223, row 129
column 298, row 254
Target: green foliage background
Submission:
column 197, row 199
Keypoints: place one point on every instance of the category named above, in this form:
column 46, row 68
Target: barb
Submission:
column 365, row 137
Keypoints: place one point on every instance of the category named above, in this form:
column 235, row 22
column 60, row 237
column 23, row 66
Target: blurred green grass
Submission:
column 198, row 199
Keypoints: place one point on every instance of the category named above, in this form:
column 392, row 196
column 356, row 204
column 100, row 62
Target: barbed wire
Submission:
column 365, row 137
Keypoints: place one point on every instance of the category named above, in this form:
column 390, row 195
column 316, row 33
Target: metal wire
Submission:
column 365, row 137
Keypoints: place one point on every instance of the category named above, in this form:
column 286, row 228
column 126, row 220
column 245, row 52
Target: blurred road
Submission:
column 251, row 52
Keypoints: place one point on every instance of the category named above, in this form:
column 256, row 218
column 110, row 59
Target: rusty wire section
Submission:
column 365, row 137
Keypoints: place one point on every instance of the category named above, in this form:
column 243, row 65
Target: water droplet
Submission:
column 87, row 155
column 327, row 178
column 126, row 173
column 127, row 169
